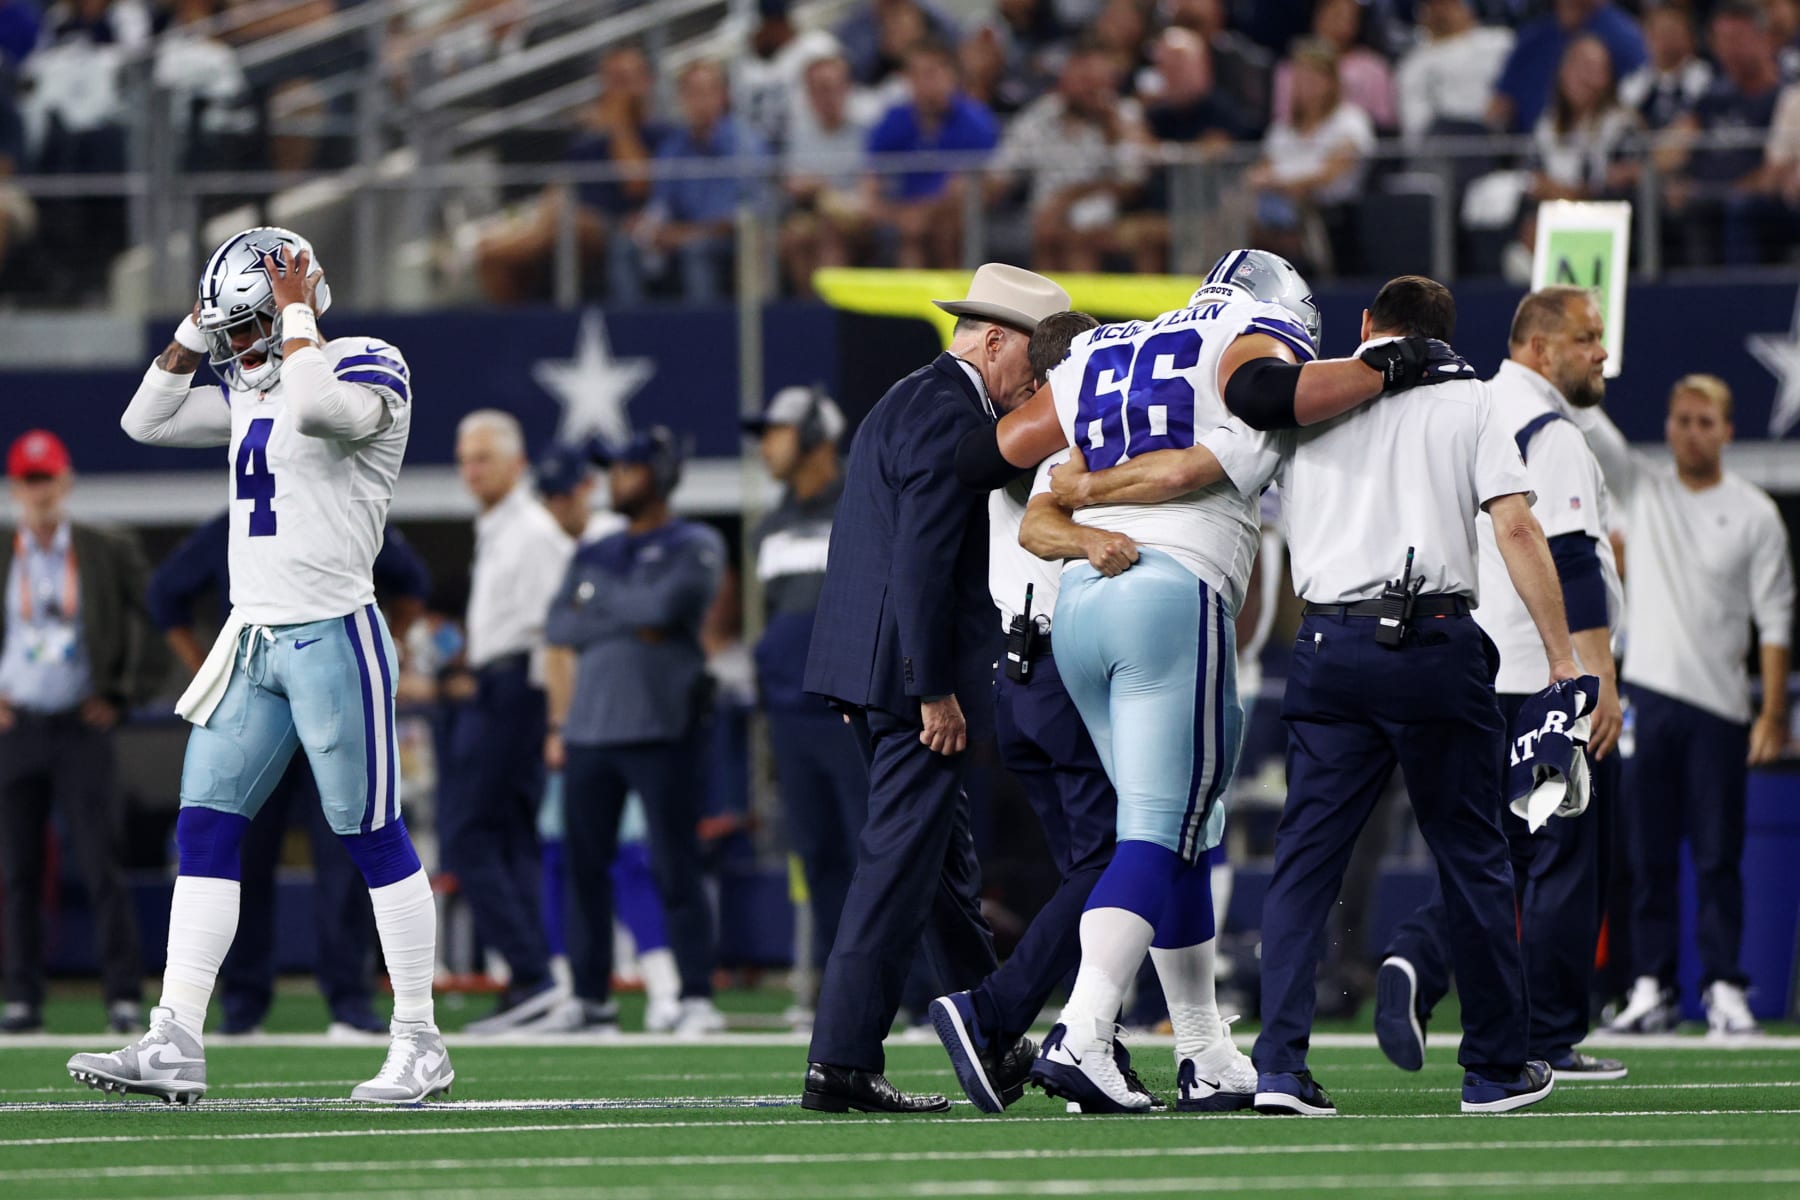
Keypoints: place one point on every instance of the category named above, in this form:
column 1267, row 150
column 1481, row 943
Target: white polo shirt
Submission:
column 1011, row 567
column 521, row 555
column 1571, row 499
column 1702, row 567
column 1406, row 470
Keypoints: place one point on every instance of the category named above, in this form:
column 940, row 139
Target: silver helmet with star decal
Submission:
column 237, row 315
column 1263, row 275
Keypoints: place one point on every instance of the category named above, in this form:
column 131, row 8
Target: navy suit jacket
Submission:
column 905, row 612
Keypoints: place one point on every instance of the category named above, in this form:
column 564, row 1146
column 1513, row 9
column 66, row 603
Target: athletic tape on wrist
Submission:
column 188, row 335
column 299, row 321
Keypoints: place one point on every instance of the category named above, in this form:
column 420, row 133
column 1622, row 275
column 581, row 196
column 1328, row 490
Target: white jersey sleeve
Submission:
column 1251, row 457
column 167, row 410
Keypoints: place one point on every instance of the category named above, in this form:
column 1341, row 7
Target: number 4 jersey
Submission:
column 1131, row 389
column 307, row 512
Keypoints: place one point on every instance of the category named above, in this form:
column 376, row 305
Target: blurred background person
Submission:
column 1443, row 83
column 494, row 782
column 197, row 570
column 923, row 209
column 628, row 694
column 689, row 227
column 1364, row 78
column 76, row 652
column 821, row 778
column 827, row 224
column 566, row 485
column 1706, row 561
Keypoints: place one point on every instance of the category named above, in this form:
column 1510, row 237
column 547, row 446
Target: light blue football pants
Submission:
column 326, row 687
column 1150, row 659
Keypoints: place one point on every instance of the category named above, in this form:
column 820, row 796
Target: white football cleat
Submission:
column 1649, row 1009
column 417, row 1068
column 1084, row 1071
column 168, row 1062
column 1220, row 1078
column 661, row 1016
column 699, row 1017
column 1728, row 1012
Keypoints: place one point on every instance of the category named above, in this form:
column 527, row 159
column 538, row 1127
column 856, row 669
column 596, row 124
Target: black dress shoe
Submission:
column 841, row 1089
column 1011, row 1069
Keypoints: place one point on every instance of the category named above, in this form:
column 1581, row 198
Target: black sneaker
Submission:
column 1292, row 1094
column 1575, row 1067
column 21, row 1018
column 1484, row 1094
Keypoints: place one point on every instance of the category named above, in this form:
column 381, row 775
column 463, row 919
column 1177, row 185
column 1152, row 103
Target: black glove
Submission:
column 1416, row 362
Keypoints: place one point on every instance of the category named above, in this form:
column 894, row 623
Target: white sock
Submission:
column 203, row 919
column 406, row 920
column 662, row 979
column 1113, row 941
column 1187, row 981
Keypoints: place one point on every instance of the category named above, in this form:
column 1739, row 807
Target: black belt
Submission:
column 1423, row 606
column 506, row 663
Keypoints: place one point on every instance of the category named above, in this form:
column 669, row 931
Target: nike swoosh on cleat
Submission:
column 1214, row 1084
column 301, row 645
column 163, row 1058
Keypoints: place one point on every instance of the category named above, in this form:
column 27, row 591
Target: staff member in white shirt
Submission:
column 487, row 820
column 1707, row 558
column 1556, row 349
column 1390, row 490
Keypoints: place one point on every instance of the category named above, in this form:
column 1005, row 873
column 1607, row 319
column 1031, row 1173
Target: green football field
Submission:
column 719, row 1120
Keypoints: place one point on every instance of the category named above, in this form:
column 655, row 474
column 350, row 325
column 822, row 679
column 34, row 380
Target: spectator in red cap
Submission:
column 76, row 649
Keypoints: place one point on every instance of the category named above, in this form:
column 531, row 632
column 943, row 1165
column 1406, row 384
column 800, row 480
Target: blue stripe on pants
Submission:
column 392, row 790
column 371, row 797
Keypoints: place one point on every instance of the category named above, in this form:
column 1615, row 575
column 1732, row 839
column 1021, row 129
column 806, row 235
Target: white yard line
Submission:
column 656, row 1161
column 1555, row 1183
column 946, row 1125
column 746, row 1041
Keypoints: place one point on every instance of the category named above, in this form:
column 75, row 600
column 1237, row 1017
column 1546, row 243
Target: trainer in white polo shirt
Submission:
column 1556, row 352
column 1707, row 557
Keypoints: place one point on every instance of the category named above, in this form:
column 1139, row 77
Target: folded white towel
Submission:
column 208, row 688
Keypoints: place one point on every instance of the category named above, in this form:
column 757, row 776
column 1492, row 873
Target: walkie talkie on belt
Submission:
column 1021, row 643
column 1397, row 605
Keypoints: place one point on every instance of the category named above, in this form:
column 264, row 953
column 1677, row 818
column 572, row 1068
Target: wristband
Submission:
column 189, row 337
column 299, row 322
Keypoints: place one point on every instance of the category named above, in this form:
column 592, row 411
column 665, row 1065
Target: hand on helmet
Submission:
column 295, row 280
column 1415, row 362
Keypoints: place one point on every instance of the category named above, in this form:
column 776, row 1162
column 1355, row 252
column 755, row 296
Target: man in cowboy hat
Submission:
column 903, row 644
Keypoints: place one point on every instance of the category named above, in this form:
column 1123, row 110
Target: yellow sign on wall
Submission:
column 910, row 293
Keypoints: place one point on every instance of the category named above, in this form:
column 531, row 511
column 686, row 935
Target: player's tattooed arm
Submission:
column 178, row 359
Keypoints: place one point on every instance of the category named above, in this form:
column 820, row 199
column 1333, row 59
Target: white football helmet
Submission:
column 236, row 291
column 1262, row 275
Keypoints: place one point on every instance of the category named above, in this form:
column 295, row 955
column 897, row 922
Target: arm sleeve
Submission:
column 1577, row 558
column 979, row 462
column 185, row 576
column 932, row 519
column 1772, row 582
column 167, row 411
column 326, row 406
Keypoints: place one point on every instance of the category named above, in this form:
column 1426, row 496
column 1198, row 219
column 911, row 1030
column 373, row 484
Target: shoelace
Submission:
column 400, row 1057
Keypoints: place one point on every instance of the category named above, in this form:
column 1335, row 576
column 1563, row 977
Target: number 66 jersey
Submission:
column 1131, row 389
column 314, row 459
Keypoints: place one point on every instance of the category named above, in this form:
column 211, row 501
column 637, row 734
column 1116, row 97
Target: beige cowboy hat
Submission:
column 1010, row 296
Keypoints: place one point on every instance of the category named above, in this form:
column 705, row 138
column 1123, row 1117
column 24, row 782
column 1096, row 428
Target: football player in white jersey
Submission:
column 316, row 431
column 1148, row 655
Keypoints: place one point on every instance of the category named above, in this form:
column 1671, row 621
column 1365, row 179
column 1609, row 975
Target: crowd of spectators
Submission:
column 1097, row 134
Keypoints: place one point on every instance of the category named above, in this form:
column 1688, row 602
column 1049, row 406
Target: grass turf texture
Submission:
column 701, row 1121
